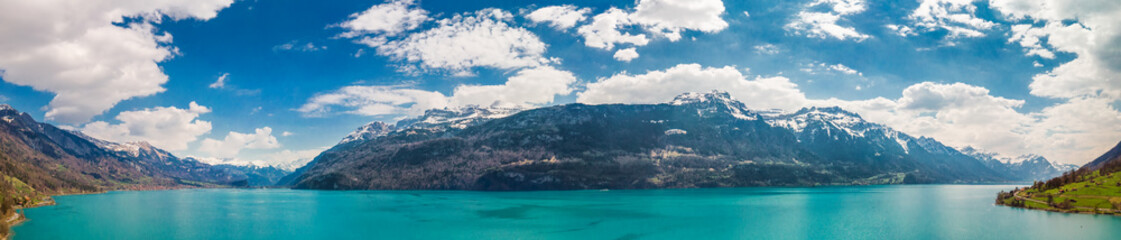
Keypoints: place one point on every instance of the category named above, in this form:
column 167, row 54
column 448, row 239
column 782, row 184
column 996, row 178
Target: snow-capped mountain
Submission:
column 1027, row 167
column 840, row 135
column 431, row 120
column 454, row 118
column 696, row 140
column 139, row 149
column 715, row 102
column 369, row 131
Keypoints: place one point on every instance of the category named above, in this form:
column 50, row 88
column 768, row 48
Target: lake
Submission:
column 862, row 212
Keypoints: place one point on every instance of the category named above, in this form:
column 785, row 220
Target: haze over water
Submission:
column 863, row 212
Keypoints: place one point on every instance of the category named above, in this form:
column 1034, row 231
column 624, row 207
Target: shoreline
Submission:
column 1077, row 210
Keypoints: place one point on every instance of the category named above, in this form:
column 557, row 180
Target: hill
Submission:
column 39, row 159
column 1093, row 188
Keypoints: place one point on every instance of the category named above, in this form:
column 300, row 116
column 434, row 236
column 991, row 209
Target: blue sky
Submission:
column 959, row 71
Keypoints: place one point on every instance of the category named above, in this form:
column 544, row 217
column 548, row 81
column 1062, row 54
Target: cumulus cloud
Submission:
column 960, row 114
column 391, row 18
column 1085, row 121
column 664, row 85
column 954, row 16
column 665, row 18
column 957, row 114
column 1087, row 29
column 626, row 55
column 234, row 142
column 817, row 24
column 560, row 17
column 670, row 17
column 86, row 55
column 479, row 39
column 604, row 31
column 168, row 128
column 528, row 87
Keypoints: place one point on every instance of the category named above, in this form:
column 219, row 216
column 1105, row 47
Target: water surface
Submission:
column 865, row 212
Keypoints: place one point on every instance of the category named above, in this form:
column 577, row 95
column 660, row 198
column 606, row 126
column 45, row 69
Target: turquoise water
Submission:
column 867, row 212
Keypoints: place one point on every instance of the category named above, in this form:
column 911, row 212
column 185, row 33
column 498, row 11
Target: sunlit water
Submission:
column 867, row 212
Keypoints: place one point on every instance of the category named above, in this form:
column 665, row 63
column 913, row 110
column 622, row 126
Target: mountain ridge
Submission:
column 672, row 144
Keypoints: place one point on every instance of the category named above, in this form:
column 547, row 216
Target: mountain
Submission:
column 249, row 175
column 696, row 140
column 369, row 131
column 1089, row 189
column 1028, row 167
column 1111, row 157
column 51, row 160
column 433, row 121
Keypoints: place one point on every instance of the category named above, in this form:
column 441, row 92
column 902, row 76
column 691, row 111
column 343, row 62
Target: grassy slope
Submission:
column 1096, row 193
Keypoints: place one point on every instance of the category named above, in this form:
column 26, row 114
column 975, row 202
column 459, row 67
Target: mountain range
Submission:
column 696, row 140
column 43, row 159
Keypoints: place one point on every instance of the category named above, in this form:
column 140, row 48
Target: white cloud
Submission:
column 957, row 114
column 287, row 133
column 841, row 68
column 234, row 142
column 960, row 114
column 670, row 17
column 666, row 18
column 1030, row 38
column 297, row 46
column 954, row 16
column 74, row 50
column 168, row 128
column 374, row 101
column 626, row 55
column 901, row 30
column 284, row 159
column 529, row 87
column 480, row 39
column 662, row 86
column 391, row 18
column 767, row 49
column 1087, row 29
column 221, row 82
column 1083, row 123
column 560, row 17
column 824, row 24
column 820, row 67
column 604, row 31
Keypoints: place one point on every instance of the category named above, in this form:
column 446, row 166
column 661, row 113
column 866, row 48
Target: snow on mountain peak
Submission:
column 694, row 97
column 711, row 102
column 835, row 117
column 455, row 118
column 369, row 131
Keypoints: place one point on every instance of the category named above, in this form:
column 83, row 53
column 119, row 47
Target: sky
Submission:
column 275, row 82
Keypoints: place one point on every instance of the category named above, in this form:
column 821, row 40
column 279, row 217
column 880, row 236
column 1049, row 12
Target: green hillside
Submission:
column 1094, row 188
column 1089, row 192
